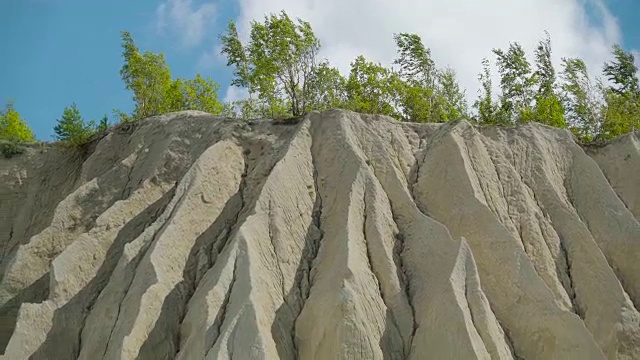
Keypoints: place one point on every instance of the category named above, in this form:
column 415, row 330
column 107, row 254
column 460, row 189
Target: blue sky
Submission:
column 628, row 14
column 56, row 52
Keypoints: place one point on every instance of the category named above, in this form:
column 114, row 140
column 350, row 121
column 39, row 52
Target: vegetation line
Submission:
column 280, row 69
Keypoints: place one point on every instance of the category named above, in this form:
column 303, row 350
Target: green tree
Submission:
column 622, row 71
column 371, row 88
column 451, row 101
column 229, row 110
column 277, row 63
column 580, row 98
column 237, row 57
column 201, row 94
column 426, row 93
column 516, row 84
column 417, row 90
column 71, row 128
column 121, row 116
column 485, row 105
column 328, row 88
column 147, row 76
column 103, row 125
column 174, row 96
column 415, row 60
column 622, row 114
column 548, row 106
column 415, row 102
column 622, row 98
column 193, row 94
column 12, row 127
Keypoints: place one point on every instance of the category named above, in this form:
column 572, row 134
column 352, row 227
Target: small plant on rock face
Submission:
column 103, row 125
column 11, row 148
column 13, row 132
column 72, row 129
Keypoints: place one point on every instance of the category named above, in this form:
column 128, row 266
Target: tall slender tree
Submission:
column 580, row 99
column 452, row 101
column 623, row 96
column 548, row 106
column 622, row 71
column 516, row 83
column 425, row 93
column 485, row 105
column 147, row 75
column 416, row 89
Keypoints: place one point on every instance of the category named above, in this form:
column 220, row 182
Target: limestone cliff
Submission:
column 341, row 236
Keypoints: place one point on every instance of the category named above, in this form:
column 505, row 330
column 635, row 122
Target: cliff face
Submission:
column 341, row 236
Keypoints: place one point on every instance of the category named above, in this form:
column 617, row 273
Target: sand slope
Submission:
column 341, row 236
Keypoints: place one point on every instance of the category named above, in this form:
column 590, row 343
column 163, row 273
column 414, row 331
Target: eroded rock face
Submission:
column 342, row 236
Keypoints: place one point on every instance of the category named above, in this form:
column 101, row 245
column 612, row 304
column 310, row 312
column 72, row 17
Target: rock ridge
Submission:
column 341, row 235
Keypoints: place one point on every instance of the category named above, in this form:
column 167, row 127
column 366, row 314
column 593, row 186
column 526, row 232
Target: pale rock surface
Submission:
column 341, row 236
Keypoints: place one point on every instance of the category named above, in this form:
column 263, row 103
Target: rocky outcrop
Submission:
column 343, row 235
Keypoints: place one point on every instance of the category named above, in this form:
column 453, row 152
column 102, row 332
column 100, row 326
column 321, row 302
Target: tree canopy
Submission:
column 278, row 63
column 154, row 91
column 280, row 68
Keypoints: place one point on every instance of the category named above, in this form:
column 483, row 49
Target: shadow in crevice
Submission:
column 283, row 327
column 390, row 348
column 35, row 293
column 64, row 338
column 38, row 199
column 163, row 342
column 164, row 339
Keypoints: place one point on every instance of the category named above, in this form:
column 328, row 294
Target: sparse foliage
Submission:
column 103, row 125
column 451, row 101
column 417, row 74
column 484, row 105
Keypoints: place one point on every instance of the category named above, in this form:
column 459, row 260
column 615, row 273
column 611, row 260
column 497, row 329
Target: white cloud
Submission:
column 459, row 32
column 212, row 58
column 189, row 22
column 636, row 55
column 235, row 93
